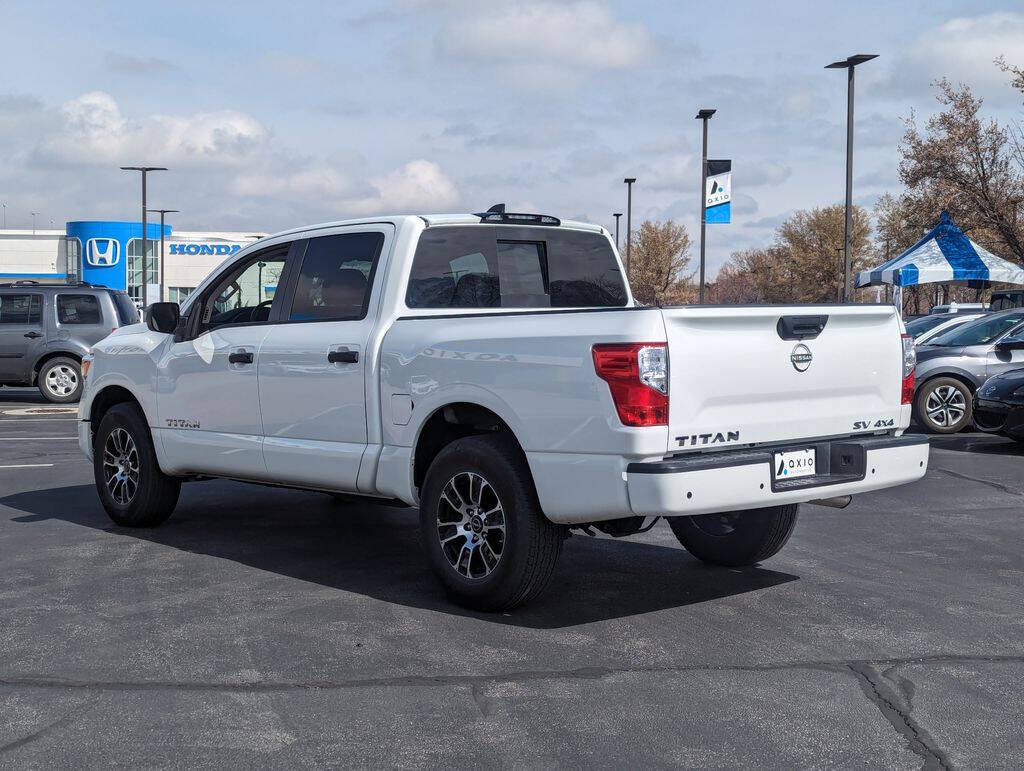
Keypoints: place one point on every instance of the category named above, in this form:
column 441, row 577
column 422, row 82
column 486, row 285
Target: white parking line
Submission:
column 29, row 465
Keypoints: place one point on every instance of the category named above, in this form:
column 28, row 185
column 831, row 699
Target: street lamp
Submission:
column 703, row 115
column 617, row 215
column 849, row 63
column 33, row 213
column 162, row 212
column 5, row 216
column 144, row 170
column 629, row 218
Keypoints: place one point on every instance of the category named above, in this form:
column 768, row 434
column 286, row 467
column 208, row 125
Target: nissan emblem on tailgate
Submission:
column 801, row 357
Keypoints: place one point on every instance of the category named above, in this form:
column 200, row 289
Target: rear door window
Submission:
column 78, row 309
column 336, row 277
column 514, row 267
column 21, row 308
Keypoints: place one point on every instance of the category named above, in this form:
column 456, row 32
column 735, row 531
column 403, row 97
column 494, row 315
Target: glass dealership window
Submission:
column 177, row 294
column 73, row 260
column 134, row 253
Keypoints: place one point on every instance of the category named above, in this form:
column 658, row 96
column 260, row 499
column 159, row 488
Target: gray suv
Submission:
column 952, row 366
column 45, row 329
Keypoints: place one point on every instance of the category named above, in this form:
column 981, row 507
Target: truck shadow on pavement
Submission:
column 985, row 444
column 374, row 551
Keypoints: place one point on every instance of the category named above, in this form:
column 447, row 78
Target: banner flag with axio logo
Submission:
column 718, row 192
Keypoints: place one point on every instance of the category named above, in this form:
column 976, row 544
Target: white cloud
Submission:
column 92, row 131
column 417, row 186
column 547, row 37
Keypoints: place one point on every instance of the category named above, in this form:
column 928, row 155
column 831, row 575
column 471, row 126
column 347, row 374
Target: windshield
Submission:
column 918, row 327
column 978, row 332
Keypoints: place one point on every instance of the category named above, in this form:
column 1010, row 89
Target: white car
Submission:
column 928, row 327
column 493, row 370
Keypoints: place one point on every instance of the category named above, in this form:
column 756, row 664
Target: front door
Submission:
column 208, row 398
column 22, row 334
column 313, row 365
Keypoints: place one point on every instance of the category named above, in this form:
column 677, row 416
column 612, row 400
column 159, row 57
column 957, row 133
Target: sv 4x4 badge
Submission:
column 862, row 425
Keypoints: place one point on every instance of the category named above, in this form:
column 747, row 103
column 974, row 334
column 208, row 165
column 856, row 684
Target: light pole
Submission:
column 839, row 256
column 5, row 216
column 259, row 279
column 144, row 170
column 703, row 115
column 617, row 215
column 849, row 63
column 33, row 213
column 162, row 212
column 629, row 218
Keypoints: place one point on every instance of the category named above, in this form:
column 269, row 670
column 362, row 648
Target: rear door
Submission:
column 312, row 367
column 741, row 375
column 22, row 334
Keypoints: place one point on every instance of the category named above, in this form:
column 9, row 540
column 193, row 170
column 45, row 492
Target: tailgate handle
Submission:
column 800, row 327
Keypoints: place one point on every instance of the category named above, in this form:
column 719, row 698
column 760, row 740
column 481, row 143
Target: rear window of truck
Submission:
column 480, row 266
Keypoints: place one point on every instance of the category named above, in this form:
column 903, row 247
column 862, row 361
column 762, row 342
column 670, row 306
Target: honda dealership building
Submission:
column 110, row 253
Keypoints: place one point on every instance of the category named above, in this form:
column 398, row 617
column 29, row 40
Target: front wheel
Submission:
column 131, row 486
column 60, row 380
column 482, row 528
column 943, row 405
column 736, row 538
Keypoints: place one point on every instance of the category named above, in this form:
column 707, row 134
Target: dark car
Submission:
column 1006, row 299
column 999, row 404
column 45, row 329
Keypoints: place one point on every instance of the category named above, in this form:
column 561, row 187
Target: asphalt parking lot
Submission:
column 263, row 627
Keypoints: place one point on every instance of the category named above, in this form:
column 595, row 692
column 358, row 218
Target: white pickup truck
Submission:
column 493, row 370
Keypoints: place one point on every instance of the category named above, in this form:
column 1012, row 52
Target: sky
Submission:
column 275, row 115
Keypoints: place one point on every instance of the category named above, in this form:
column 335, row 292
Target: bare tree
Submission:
column 966, row 165
column 659, row 255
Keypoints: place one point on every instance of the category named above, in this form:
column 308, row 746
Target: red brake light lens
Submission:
column 909, row 365
column 637, row 375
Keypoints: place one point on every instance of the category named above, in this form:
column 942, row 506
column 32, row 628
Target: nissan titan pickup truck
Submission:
column 494, row 371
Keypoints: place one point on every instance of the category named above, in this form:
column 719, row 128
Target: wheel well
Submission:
column 451, row 422
column 952, row 375
column 52, row 355
column 106, row 399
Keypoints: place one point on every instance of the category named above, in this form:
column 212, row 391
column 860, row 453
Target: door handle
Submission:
column 240, row 357
column 33, row 335
column 343, row 357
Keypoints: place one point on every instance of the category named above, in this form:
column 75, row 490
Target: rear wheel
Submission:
column 736, row 538
column 944, row 405
column 482, row 528
column 131, row 486
column 60, row 380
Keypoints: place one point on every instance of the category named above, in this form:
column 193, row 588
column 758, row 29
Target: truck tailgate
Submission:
column 735, row 380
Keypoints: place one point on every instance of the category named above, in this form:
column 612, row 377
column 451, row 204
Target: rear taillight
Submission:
column 637, row 374
column 909, row 364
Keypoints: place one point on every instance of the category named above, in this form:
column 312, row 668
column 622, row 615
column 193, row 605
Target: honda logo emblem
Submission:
column 102, row 252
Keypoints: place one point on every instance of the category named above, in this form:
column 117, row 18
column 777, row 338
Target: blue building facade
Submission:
column 111, row 252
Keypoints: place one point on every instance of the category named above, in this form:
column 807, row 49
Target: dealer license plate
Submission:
column 794, row 464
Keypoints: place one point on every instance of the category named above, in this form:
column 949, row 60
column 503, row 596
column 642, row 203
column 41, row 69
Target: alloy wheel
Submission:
column 946, row 406
column 471, row 525
column 61, row 380
column 121, row 466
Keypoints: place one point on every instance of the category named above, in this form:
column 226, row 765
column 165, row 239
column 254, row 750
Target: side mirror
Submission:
column 163, row 317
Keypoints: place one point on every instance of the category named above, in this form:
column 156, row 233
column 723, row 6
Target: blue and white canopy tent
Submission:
column 944, row 254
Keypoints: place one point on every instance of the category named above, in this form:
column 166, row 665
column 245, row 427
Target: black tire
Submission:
column 952, row 393
column 154, row 495
column 60, row 380
column 736, row 538
column 529, row 543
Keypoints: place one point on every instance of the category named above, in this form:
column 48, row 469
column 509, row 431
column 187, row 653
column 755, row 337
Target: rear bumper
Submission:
column 729, row 481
